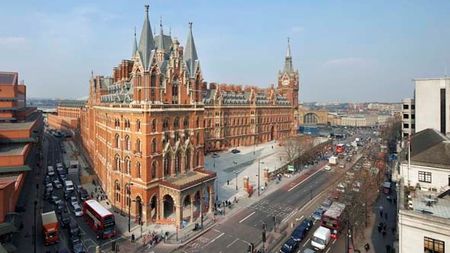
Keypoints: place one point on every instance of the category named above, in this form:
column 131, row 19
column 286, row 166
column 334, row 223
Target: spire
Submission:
column 161, row 35
column 288, row 60
column 146, row 43
column 190, row 52
column 134, row 44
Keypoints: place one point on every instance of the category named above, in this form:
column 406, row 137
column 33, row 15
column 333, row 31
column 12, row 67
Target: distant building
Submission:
column 424, row 195
column 408, row 117
column 67, row 116
column 358, row 120
column 20, row 140
column 432, row 104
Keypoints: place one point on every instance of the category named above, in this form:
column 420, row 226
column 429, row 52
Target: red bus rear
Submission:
column 333, row 218
column 100, row 219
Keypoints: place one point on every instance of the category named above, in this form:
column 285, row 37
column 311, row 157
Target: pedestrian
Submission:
column 385, row 215
column 381, row 211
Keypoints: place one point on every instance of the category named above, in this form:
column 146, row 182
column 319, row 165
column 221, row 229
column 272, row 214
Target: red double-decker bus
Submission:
column 100, row 219
column 340, row 148
column 333, row 218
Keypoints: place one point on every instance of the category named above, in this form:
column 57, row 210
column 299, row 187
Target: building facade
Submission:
column 241, row 116
column 67, row 116
column 432, row 104
column 424, row 195
column 408, row 117
column 20, row 141
column 143, row 131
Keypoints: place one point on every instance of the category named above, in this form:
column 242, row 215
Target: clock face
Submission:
column 285, row 82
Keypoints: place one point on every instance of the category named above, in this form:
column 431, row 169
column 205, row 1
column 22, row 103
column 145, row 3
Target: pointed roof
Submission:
column 288, row 60
column 190, row 53
column 134, row 44
column 161, row 35
column 146, row 43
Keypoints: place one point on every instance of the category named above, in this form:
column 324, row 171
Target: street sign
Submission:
column 291, row 168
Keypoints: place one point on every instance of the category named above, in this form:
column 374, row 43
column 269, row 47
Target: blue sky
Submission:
column 344, row 50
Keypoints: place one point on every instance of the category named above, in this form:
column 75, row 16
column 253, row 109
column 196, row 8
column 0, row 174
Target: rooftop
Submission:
column 431, row 203
column 12, row 149
column 8, row 78
column 430, row 148
column 189, row 179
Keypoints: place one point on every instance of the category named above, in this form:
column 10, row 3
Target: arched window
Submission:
column 198, row 138
column 117, row 191
column 165, row 124
column 138, row 169
column 175, row 91
column 127, row 143
column 197, row 122
column 187, row 163
column 127, row 165
column 176, row 123
column 167, row 165
column 138, row 125
column 154, row 125
column 154, row 170
column 154, row 145
column 138, row 145
column 177, row 163
column 186, row 122
column 117, row 141
column 153, row 87
column 117, row 163
column 197, row 159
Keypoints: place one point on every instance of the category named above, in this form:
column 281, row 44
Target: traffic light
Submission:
column 264, row 236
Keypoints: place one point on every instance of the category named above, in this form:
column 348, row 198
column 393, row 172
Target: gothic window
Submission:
column 127, row 143
column 138, row 169
column 197, row 122
column 153, row 170
column 154, row 145
column 198, row 138
column 138, row 145
column 117, row 191
column 167, row 165
column 138, row 125
column 187, row 163
column 177, row 163
column 176, row 123
column 165, row 124
column 117, row 141
column 127, row 165
column 117, row 163
column 153, row 87
column 177, row 136
column 197, row 162
column 154, row 125
column 186, row 122
column 175, row 92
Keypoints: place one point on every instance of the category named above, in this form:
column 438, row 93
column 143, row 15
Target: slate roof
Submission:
column 430, row 148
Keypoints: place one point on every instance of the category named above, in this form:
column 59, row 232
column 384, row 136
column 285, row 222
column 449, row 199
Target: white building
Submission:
column 432, row 99
column 408, row 117
column 424, row 195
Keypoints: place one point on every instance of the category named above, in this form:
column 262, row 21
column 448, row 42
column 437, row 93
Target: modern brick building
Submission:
column 241, row 116
column 20, row 140
column 67, row 116
column 142, row 129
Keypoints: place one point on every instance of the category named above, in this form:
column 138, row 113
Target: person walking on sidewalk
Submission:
column 381, row 211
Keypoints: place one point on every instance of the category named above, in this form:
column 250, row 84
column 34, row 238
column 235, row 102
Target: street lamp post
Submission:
column 236, row 174
column 129, row 204
column 259, row 176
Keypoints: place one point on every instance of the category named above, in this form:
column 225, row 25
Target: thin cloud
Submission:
column 13, row 41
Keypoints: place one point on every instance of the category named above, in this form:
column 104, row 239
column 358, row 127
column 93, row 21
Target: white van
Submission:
column 68, row 185
column 321, row 238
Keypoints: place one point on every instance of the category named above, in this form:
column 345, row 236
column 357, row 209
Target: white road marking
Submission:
column 235, row 240
column 213, row 240
column 292, row 188
column 300, row 218
column 334, row 240
column 304, row 244
column 328, row 250
column 246, row 217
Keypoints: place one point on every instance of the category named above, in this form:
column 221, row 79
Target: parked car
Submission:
column 74, row 201
column 289, row 246
column 55, row 199
column 77, row 210
column 215, row 155
column 326, row 204
column 57, row 184
column 67, row 194
column 74, row 229
column 60, row 206
column 235, row 151
column 49, row 187
column 65, row 219
column 84, row 195
column 302, row 230
column 317, row 215
column 50, row 171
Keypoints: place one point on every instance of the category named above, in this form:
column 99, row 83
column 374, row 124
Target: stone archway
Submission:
column 188, row 208
column 272, row 133
column 310, row 119
column 168, row 207
column 153, row 205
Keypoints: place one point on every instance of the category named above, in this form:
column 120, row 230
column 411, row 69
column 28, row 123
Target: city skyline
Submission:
column 368, row 51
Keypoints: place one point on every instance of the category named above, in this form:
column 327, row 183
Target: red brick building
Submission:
column 142, row 128
column 67, row 116
column 20, row 140
column 241, row 116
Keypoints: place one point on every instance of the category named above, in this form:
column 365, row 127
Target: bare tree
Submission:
column 296, row 146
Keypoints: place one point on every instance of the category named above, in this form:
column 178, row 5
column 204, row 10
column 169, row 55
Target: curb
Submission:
column 192, row 238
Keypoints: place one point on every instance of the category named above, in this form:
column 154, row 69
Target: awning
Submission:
column 7, row 228
column 291, row 168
